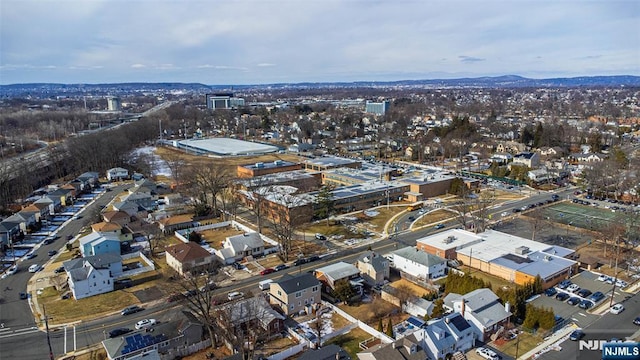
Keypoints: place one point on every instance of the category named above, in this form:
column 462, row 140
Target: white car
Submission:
column 573, row 288
column 145, row 323
column 621, row 284
column 487, row 353
column 617, row 309
column 235, row 295
column 12, row 270
column 34, row 268
column 603, row 277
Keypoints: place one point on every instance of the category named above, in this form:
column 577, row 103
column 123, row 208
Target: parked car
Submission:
column 550, row 292
column 617, row 309
column 574, row 300
column 603, row 277
column 596, row 296
column 235, row 295
column 66, row 296
column 621, row 284
column 487, row 353
column 573, row 288
column 267, row 271
column 320, row 237
column 313, row 258
column 12, row 270
column 564, row 284
column 118, row 332
column 299, row 262
column 131, row 310
column 576, row 335
column 30, row 255
column 280, row 267
column 145, row 323
column 636, row 321
column 562, row 296
column 59, row 270
column 52, row 252
column 584, row 292
column 585, row 304
column 439, row 226
column 24, row 296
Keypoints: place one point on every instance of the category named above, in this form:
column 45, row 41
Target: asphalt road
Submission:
column 20, row 337
column 20, row 340
column 606, row 327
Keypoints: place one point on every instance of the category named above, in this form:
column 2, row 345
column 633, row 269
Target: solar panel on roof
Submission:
column 460, row 323
column 416, row 322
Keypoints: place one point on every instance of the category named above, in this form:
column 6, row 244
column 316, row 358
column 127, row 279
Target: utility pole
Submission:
column 615, row 274
column 46, row 324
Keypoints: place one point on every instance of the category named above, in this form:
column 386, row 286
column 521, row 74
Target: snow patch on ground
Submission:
column 327, row 326
column 161, row 168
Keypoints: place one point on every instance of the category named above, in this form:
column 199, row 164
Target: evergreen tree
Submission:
column 325, row 203
column 389, row 331
column 438, row 308
column 380, row 327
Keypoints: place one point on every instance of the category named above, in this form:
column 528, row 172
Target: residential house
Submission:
column 88, row 180
column 327, row 352
column 528, row 159
column 117, row 174
column 39, row 212
column 177, row 222
column 9, row 232
column 444, row 337
column 62, row 196
column 482, row 309
column 501, row 158
column 111, row 228
column 53, row 205
column 406, row 348
column 144, row 200
column 97, row 243
column 237, row 247
column 182, row 330
column 418, row 265
column 586, row 158
column 92, row 275
column 331, row 275
column 130, row 207
column 295, row 293
column 189, row 257
column 25, row 219
column 118, row 217
column 373, row 267
column 252, row 317
column 551, row 151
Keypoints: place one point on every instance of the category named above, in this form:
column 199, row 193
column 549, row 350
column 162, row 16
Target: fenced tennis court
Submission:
column 582, row 216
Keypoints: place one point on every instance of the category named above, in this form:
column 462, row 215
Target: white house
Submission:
column 419, row 264
column 482, row 309
column 529, row 159
column 240, row 246
column 117, row 173
column 444, row 337
column 93, row 275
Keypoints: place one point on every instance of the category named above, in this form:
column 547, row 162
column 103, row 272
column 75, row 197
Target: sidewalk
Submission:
column 551, row 343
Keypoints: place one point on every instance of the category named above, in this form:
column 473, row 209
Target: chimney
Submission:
column 507, row 307
column 447, row 319
column 462, row 308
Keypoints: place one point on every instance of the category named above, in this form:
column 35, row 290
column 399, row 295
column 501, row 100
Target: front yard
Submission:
column 372, row 312
column 523, row 343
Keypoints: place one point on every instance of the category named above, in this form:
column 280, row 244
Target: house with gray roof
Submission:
column 374, row 268
column 444, row 337
column 237, row 247
column 330, row 275
column 419, row 264
column 9, row 231
column 97, row 243
column 93, row 275
column 295, row 293
column 483, row 310
column 253, row 317
column 180, row 331
column 327, row 352
column 407, row 348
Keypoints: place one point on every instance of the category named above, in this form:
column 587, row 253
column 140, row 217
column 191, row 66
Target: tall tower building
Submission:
column 114, row 104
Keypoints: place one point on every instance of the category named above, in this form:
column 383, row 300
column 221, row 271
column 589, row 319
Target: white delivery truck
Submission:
column 264, row 284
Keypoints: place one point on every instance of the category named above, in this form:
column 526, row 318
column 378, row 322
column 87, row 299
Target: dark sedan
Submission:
column 574, row 301
column 562, row 296
column 118, row 332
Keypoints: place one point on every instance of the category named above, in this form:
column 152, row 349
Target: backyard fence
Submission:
column 383, row 337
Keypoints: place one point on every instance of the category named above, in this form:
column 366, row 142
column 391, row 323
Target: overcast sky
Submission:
column 276, row 41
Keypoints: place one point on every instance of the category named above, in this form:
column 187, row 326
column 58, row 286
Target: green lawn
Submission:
column 349, row 341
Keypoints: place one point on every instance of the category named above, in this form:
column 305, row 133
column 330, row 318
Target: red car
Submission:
column 267, row 271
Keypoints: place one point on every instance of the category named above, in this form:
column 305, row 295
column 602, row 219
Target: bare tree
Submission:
column 319, row 325
column 285, row 223
column 176, row 164
column 256, row 195
column 208, row 181
column 197, row 288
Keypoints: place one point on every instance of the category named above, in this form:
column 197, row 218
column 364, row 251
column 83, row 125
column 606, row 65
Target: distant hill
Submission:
column 506, row 81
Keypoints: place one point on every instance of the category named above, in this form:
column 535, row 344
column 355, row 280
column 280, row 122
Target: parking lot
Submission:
column 582, row 317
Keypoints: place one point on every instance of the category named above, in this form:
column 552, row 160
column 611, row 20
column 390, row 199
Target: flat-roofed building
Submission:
column 446, row 243
column 517, row 259
column 426, row 184
column 265, row 168
column 330, row 162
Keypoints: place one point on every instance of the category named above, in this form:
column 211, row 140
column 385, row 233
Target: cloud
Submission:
column 138, row 66
column 265, row 65
column 470, row 59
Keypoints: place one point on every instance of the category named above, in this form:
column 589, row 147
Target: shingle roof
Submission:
column 377, row 261
column 293, row 283
column 100, row 261
column 328, row 352
column 398, row 350
column 421, row 257
column 339, row 270
column 187, row 252
column 245, row 241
